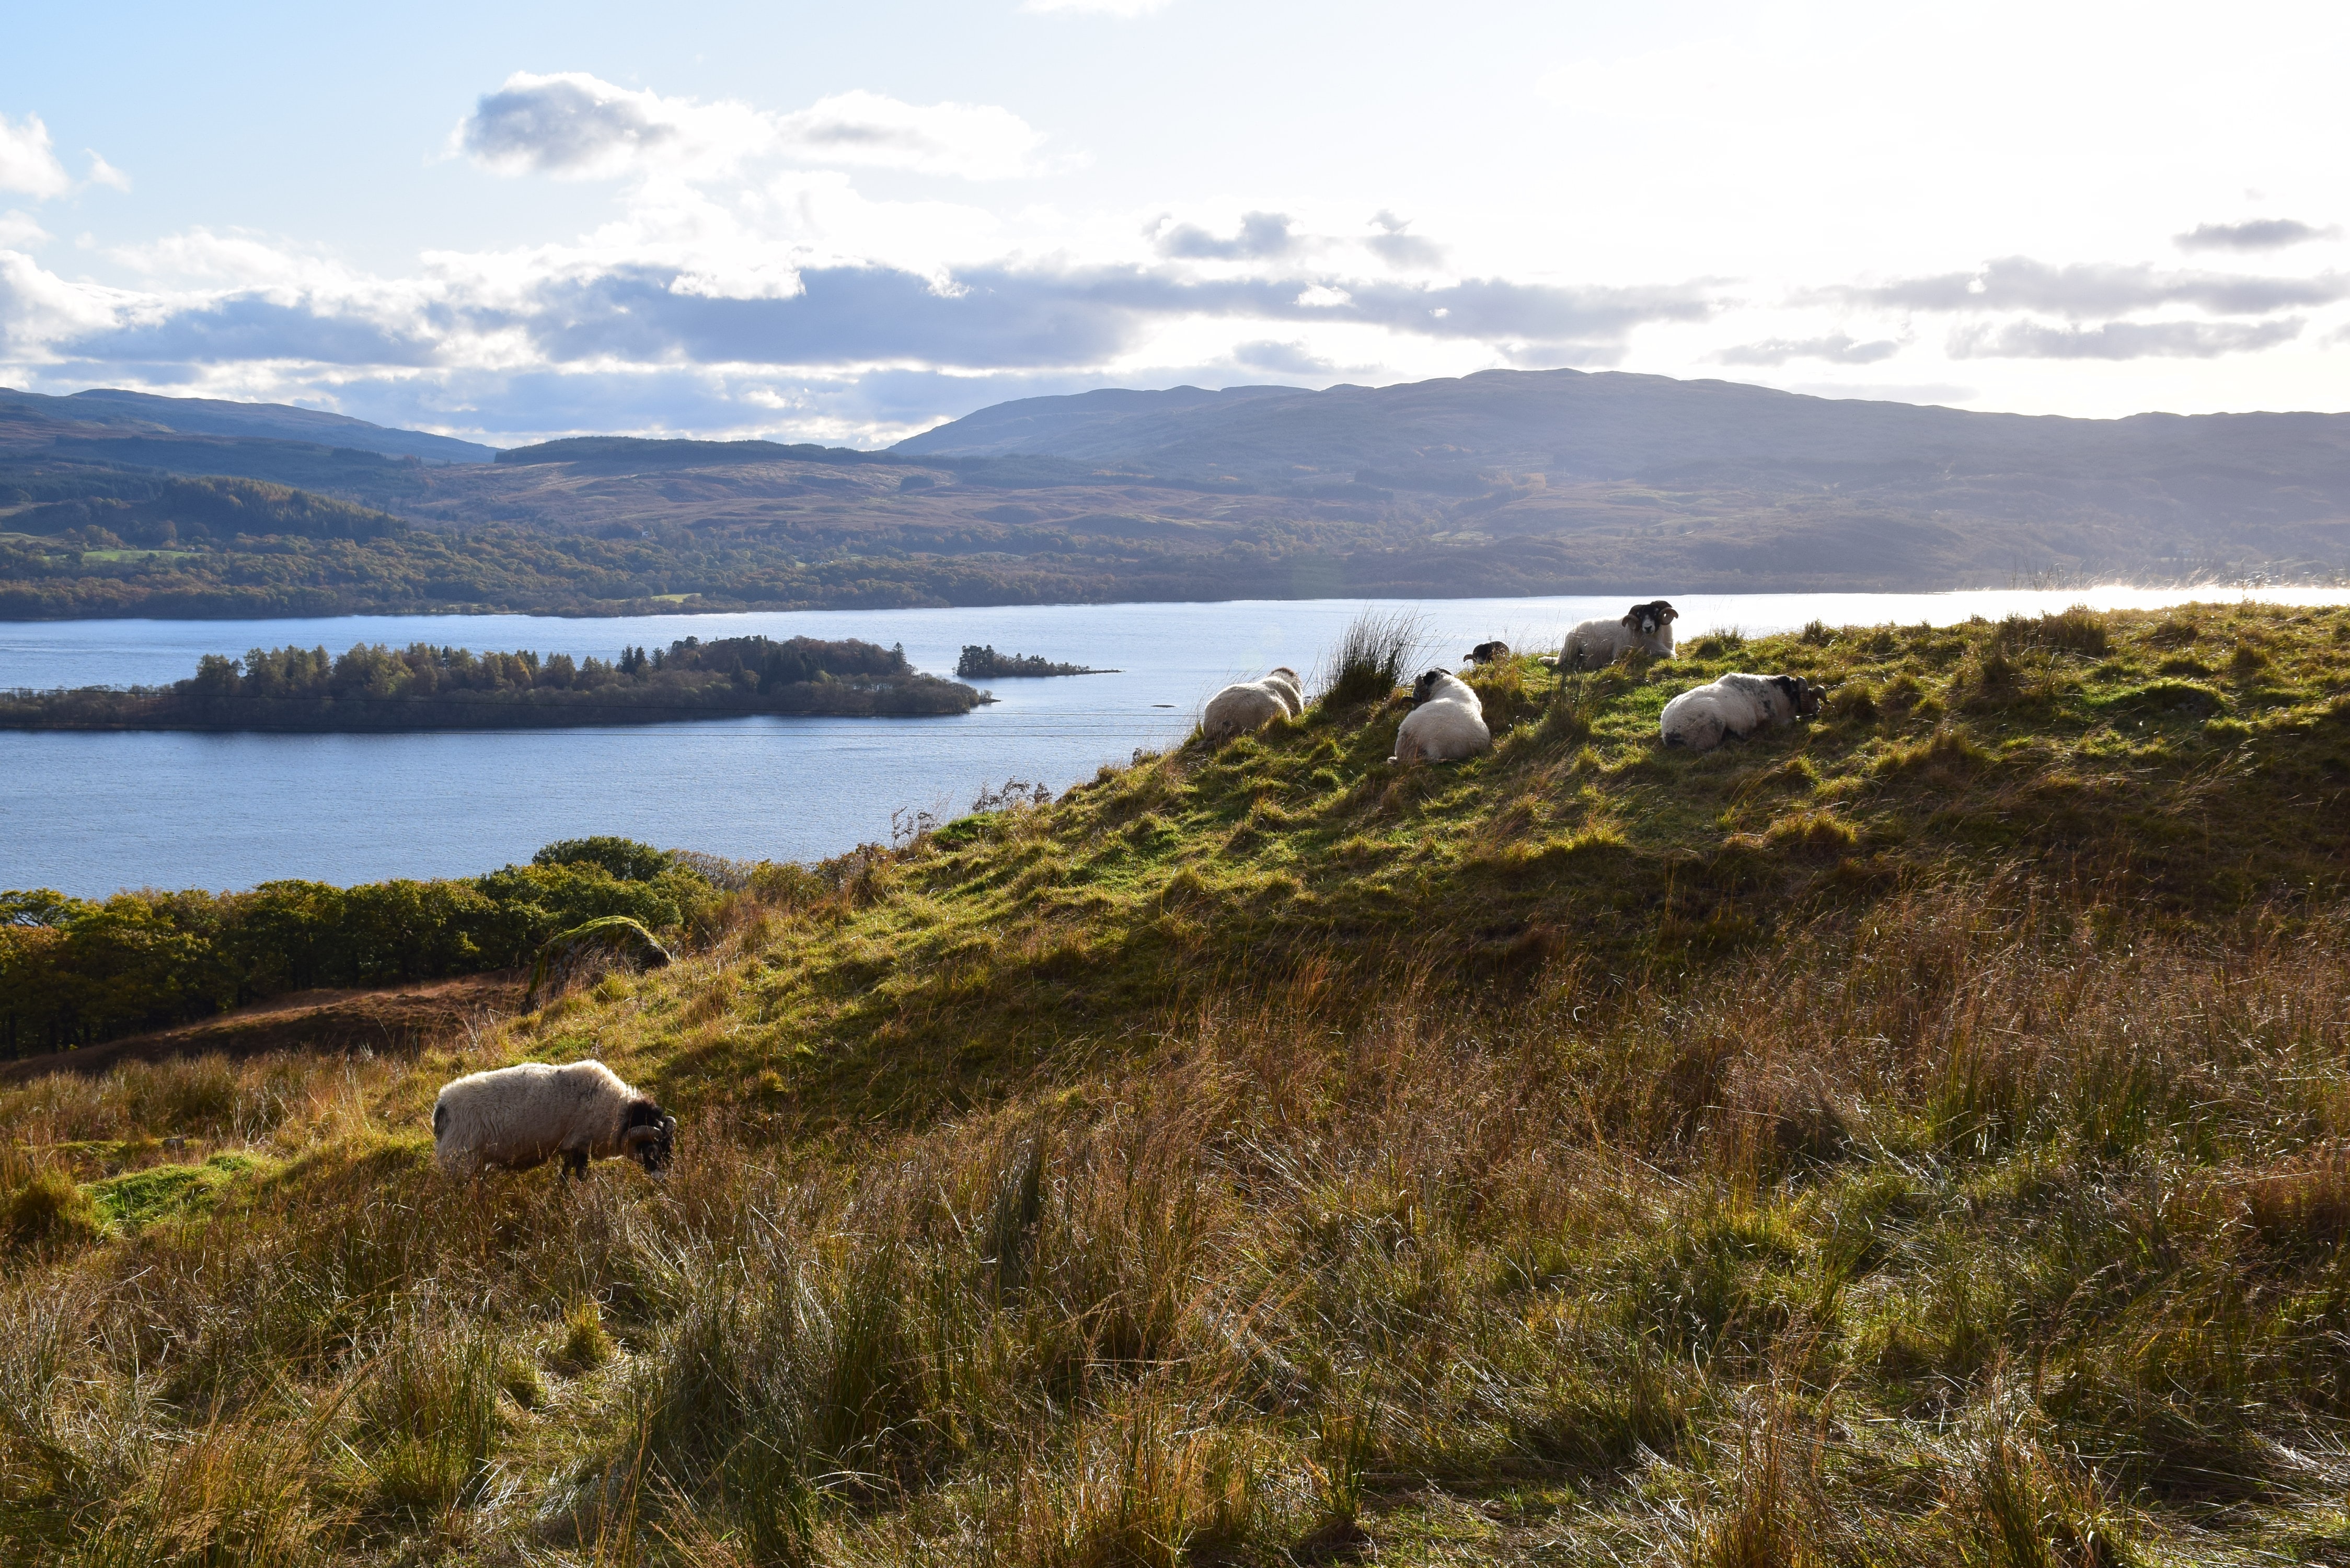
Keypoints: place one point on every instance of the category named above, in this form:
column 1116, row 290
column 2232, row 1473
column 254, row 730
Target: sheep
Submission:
column 1285, row 681
column 1446, row 724
column 1736, row 706
column 1489, row 652
column 1597, row 643
column 520, row 1117
column 1252, row 705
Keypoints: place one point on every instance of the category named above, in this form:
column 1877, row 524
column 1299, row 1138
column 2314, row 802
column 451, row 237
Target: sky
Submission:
column 848, row 224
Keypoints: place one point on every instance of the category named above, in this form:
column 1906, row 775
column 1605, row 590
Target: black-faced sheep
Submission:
column 1250, row 705
column 1447, row 723
column 1595, row 644
column 1489, row 652
column 1736, row 706
column 520, row 1117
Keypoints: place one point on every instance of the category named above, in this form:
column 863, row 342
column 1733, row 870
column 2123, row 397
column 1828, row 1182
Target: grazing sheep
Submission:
column 1736, row 706
column 517, row 1118
column 1250, row 705
column 1595, row 644
column 1446, row 724
column 1489, row 652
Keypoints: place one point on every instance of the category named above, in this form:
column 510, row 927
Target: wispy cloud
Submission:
column 1838, row 347
column 28, row 163
column 1405, row 252
column 2258, row 234
column 2120, row 340
column 2088, row 289
column 574, row 126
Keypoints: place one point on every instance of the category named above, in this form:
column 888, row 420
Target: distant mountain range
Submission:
column 1504, row 483
column 138, row 414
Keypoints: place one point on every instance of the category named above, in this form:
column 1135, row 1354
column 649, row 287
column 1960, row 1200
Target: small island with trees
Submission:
column 984, row 663
column 376, row 688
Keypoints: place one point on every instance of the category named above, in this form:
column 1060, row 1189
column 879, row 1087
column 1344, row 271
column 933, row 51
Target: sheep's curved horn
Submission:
column 636, row 1135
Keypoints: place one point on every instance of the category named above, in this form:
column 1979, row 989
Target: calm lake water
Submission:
column 89, row 813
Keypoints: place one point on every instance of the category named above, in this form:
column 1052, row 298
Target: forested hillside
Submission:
column 1500, row 484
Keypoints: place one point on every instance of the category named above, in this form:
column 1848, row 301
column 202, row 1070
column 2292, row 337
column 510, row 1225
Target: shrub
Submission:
column 623, row 857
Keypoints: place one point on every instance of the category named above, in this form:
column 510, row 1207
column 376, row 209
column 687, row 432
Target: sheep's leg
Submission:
column 575, row 1163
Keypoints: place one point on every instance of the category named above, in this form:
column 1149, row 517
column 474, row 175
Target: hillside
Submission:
column 1563, row 455
column 1912, row 1137
column 1500, row 484
column 146, row 413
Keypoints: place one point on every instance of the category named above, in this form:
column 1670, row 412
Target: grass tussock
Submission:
column 1821, row 1152
column 1376, row 654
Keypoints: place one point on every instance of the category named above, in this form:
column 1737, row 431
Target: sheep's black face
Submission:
column 1802, row 697
column 1425, row 687
column 651, row 1136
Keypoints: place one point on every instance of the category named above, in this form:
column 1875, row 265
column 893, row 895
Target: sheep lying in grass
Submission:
column 1250, row 705
column 1595, row 644
column 1736, row 706
column 1447, row 723
column 520, row 1117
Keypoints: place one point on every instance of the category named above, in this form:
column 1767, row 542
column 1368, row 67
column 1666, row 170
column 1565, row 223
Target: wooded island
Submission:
column 420, row 687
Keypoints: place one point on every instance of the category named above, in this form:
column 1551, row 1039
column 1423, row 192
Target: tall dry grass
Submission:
column 1990, row 1228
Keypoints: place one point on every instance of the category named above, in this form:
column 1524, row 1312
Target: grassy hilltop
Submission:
column 1920, row 1137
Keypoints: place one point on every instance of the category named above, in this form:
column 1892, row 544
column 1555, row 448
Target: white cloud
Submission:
column 27, row 165
column 102, row 172
column 977, row 141
column 576, row 126
column 19, row 229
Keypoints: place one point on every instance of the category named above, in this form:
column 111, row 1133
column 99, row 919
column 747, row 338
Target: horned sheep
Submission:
column 1250, row 705
column 1446, row 724
column 1595, row 644
column 1736, row 706
column 524, row 1116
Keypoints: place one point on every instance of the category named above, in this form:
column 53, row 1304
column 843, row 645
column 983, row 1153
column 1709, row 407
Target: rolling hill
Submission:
column 1500, row 484
column 1915, row 1137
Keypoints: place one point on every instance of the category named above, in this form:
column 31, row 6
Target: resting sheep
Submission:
column 1488, row 652
column 1250, row 705
column 1736, row 706
column 1284, row 680
column 1595, row 644
column 520, row 1117
column 1446, row 724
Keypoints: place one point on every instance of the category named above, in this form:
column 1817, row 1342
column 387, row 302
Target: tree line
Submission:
column 980, row 661
column 375, row 687
column 77, row 971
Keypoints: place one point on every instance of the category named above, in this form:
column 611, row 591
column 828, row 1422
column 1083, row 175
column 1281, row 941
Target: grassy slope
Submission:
column 1912, row 1137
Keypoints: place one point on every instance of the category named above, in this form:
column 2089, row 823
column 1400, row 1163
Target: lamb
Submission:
column 1489, row 652
column 1446, row 724
column 1736, row 706
column 1595, row 644
column 520, row 1117
column 1250, row 705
